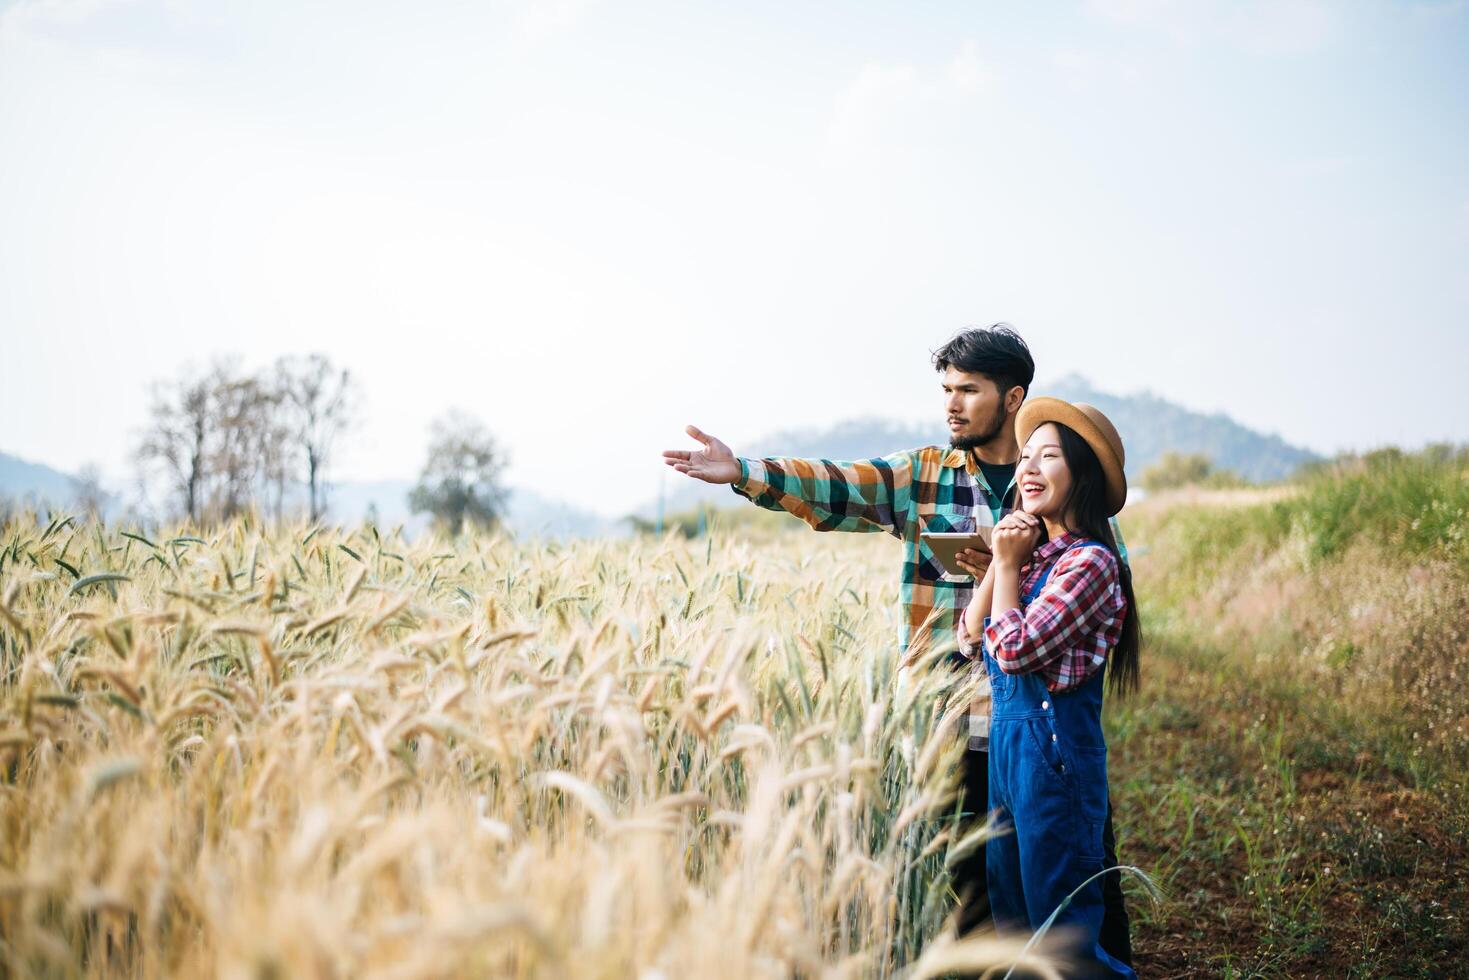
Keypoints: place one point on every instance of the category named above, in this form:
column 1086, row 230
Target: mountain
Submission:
column 25, row 481
column 1150, row 426
column 528, row 514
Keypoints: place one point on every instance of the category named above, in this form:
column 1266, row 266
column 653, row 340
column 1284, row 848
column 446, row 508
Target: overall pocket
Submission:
column 1090, row 764
column 1049, row 760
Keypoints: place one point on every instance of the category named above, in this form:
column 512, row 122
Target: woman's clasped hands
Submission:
column 1015, row 538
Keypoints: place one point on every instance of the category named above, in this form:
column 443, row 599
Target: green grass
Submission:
column 1293, row 771
column 1414, row 505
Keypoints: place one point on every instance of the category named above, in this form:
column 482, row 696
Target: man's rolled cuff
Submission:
column 751, row 481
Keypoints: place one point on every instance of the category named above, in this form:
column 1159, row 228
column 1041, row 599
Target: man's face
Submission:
column 975, row 409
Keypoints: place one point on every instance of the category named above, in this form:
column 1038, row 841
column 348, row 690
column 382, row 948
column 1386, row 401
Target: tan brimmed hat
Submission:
column 1088, row 422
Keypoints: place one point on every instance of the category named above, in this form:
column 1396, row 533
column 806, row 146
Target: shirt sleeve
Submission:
column 968, row 647
column 865, row 495
column 1073, row 602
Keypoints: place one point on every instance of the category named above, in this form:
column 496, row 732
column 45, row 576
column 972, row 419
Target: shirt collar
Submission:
column 956, row 458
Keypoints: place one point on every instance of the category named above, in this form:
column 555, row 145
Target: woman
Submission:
column 1057, row 614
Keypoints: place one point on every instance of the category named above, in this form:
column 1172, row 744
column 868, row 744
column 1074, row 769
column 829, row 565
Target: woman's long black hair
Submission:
column 1085, row 512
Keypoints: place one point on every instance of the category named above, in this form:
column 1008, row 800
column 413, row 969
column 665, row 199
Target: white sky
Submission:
column 590, row 223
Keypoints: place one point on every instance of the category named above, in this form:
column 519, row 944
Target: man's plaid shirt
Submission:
column 930, row 489
column 905, row 494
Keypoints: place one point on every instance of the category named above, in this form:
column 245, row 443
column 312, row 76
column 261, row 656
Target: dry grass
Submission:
column 316, row 753
column 1293, row 771
column 1371, row 626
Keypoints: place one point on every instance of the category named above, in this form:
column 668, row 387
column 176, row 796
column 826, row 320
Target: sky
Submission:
column 590, row 223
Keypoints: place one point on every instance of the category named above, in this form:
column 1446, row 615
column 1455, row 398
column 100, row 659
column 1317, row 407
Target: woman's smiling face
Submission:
column 1042, row 474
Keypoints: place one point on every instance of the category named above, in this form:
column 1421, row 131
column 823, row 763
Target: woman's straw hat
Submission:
column 1088, row 422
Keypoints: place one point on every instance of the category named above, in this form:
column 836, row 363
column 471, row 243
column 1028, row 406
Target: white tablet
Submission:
column 946, row 546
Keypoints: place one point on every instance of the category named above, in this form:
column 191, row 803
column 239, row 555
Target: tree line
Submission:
column 223, row 441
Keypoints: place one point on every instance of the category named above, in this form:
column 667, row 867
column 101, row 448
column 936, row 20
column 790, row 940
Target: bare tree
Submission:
column 227, row 440
column 242, row 417
column 461, row 482
column 323, row 401
column 279, row 454
column 178, row 439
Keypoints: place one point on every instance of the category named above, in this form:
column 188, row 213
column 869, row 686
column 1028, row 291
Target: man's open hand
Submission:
column 715, row 463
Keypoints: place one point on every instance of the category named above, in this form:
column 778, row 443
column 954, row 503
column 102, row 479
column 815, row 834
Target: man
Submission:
column 986, row 376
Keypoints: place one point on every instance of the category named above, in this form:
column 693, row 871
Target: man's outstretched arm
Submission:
column 865, row 495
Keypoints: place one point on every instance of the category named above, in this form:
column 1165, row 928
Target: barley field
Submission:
column 311, row 752
column 266, row 751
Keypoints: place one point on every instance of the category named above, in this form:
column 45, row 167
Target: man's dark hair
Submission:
column 997, row 352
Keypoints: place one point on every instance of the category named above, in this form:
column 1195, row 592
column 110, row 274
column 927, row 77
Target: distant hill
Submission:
column 528, row 514
column 25, row 481
column 1150, row 426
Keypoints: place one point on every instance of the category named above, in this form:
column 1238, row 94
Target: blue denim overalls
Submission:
column 1048, row 775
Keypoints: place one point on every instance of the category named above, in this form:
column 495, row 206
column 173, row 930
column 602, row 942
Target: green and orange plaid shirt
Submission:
column 931, row 489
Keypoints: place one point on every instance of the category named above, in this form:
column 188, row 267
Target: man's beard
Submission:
column 997, row 424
